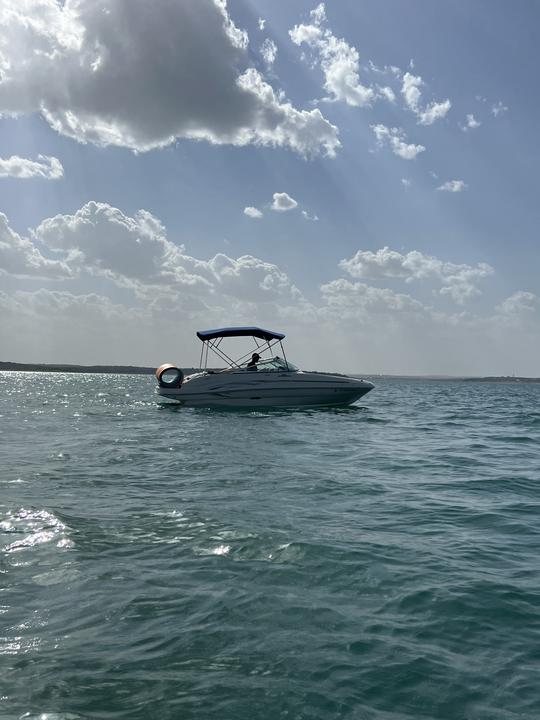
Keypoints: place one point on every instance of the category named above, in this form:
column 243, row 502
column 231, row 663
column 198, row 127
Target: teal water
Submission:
column 375, row 563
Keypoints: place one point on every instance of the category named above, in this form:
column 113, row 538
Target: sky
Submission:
column 360, row 175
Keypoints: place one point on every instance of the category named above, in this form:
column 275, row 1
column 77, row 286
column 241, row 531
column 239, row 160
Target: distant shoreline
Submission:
column 139, row 370
column 61, row 368
column 503, row 379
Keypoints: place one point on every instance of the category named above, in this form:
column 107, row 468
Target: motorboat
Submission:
column 258, row 378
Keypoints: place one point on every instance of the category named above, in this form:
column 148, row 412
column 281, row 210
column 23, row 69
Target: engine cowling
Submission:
column 169, row 376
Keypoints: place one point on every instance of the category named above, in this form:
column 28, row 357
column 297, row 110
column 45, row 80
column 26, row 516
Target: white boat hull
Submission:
column 267, row 389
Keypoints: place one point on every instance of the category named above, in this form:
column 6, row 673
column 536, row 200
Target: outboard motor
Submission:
column 169, row 376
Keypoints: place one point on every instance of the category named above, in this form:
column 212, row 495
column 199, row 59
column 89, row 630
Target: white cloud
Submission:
column 386, row 263
column 261, row 23
column 283, row 202
column 406, row 182
column 498, row 108
column 252, row 212
column 418, row 339
column 453, row 186
column 52, row 326
column 338, row 60
column 344, row 331
column 458, row 280
column 395, row 137
column 387, row 93
column 135, row 253
column 460, row 283
column 252, row 280
column 132, row 251
column 347, row 300
column 20, row 257
column 385, row 69
column 49, row 168
column 522, row 304
column 410, row 90
column 471, row 123
column 176, row 70
column 269, row 52
column 318, row 14
column 306, row 132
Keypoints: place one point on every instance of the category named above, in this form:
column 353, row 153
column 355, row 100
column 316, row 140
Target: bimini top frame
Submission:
column 211, row 339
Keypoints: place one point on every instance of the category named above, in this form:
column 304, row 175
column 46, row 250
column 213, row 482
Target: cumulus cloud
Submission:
column 283, row 202
column 406, row 182
column 412, row 95
column 47, row 302
column 172, row 288
column 386, row 92
column 280, row 124
column 458, row 280
column 53, row 326
column 253, row 280
column 453, row 186
column 357, row 300
column 269, row 52
column 338, row 60
column 471, row 123
column 253, row 212
column 176, row 70
column 395, row 138
column 522, row 304
column 46, row 167
column 61, row 326
column 20, row 257
column 498, row 108
column 135, row 253
column 391, row 70
column 261, row 23
column 132, row 251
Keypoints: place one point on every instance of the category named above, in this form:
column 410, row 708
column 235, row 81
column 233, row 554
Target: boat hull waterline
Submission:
column 260, row 389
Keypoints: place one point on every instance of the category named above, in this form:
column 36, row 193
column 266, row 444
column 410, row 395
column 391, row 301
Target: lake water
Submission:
column 374, row 563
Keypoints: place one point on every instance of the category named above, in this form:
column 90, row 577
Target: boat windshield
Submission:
column 276, row 364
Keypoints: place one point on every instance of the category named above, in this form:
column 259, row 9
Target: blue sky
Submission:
column 404, row 138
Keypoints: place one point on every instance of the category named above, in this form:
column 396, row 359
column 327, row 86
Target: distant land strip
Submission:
column 58, row 368
column 503, row 379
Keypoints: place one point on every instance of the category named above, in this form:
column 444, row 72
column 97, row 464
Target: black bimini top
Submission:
column 239, row 332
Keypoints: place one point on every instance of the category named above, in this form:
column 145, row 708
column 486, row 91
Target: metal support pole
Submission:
column 284, row 356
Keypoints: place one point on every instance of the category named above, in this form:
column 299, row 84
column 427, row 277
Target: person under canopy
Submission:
column 252, row 364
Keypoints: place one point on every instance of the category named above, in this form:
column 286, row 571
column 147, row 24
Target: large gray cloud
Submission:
column 140, row 74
